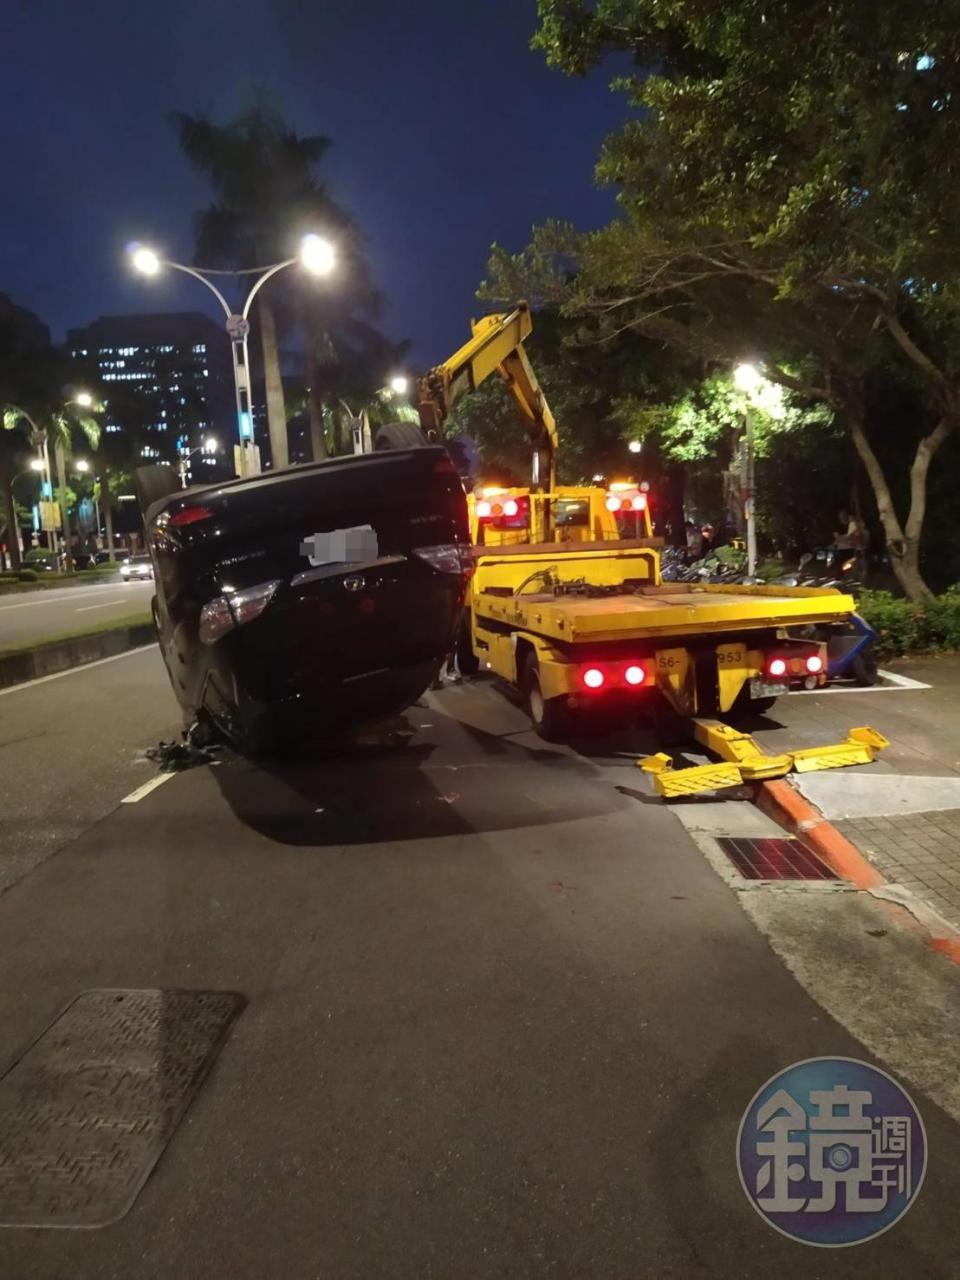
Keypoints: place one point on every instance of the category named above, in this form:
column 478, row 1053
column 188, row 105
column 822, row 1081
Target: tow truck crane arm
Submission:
column 496, row 346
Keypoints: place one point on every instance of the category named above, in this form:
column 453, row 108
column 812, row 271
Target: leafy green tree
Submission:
column 793, row 164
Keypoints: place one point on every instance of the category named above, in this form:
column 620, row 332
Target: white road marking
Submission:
column 57, row 675
column 58, row 594
column 903, row 682
column 30, row 604
column 898, row 684
column 106, row 605
column 147, row 787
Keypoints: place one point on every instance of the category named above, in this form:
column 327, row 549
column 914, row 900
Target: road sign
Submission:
column 49, row 516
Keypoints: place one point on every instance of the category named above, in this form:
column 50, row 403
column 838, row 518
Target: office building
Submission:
column 167, row 378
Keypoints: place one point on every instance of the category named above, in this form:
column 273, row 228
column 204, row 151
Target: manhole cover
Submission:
column 775, row 858
column 87, row 1110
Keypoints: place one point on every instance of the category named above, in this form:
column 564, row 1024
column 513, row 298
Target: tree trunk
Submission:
column 64, row 513
column 106, row 502
column 318, row 431
column 273, row 386
column 903, row 540
column 10, row 510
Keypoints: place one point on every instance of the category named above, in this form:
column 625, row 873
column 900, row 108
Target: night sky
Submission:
column 448, row 134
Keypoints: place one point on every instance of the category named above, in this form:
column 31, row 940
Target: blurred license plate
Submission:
column 767, row 688
column 342, row 546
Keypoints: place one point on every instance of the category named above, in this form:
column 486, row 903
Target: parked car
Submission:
column 301, row 602
column 119, row 556
column 137, row 569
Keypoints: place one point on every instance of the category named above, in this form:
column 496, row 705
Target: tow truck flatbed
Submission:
column 658, row 611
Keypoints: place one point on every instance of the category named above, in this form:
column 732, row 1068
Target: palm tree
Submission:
column 59, row 427
column 267, row 195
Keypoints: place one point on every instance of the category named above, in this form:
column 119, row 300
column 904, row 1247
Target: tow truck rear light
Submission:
column 634, row 675
column 190, row 515
column 593, row 678
column 510, row 507
column 814, row 664
column 613, row 503
column 484, row 510
column 640, row 502
column 777, row 668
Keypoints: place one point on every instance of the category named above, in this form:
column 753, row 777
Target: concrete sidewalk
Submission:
column 903, row 811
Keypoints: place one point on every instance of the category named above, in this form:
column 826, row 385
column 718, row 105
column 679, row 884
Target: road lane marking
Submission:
column 58, row 595
column 106, row 605
column 58, row 675
column 147, row 787
column 30, row 604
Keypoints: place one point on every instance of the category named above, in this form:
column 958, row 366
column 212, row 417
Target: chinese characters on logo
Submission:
column 831, row 1151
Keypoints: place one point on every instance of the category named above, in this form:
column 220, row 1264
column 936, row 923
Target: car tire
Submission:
column 865, row 670
column 549, row 716
column 400, row 435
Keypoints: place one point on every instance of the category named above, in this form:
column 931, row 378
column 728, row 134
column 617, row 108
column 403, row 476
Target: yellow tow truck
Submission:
column 573, row 614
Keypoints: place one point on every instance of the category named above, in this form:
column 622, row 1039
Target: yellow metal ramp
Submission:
column 744, row 761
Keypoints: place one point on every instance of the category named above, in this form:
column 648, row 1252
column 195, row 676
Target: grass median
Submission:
column 78, row 633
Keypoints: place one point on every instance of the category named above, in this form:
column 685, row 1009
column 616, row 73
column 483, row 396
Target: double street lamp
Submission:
column 316, row 256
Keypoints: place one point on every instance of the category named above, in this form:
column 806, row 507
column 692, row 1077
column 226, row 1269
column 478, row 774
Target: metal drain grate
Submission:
column 87, row 1110
column 775, row 858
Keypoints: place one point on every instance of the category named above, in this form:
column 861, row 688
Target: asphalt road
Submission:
column 503, row 1015
column 32, row 617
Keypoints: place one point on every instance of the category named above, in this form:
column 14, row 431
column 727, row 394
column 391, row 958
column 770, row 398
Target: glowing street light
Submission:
column 81, row 464
column 37, row 464
column 317, row 255
column 635, row 446
column 399, row 384
column 84, row 399
column 144, row 260
column 747, row 378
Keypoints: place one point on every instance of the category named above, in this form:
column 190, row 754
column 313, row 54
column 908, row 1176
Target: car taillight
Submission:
column 190, row 515
column 634, row 675
column 447, row 557
column 814, row 664
column 593, row 678
column 777, row 668
column 234, row 609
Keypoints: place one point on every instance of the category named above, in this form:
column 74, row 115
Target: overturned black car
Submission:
column 302, row 602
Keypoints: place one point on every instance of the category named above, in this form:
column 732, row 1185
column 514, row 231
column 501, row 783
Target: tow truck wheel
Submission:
column 759, row 706
column 548, row 715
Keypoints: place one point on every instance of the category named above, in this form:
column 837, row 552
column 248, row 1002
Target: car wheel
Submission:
column 549, row 716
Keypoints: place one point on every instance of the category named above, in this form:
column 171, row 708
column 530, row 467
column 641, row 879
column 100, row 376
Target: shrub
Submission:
column 903, row 626
column 37, row 554
column 28, row 575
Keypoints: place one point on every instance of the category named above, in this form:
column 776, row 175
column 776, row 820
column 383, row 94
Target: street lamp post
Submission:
column 35, row 468
column 748, row 379
column 316, row 255
column 207, row 446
